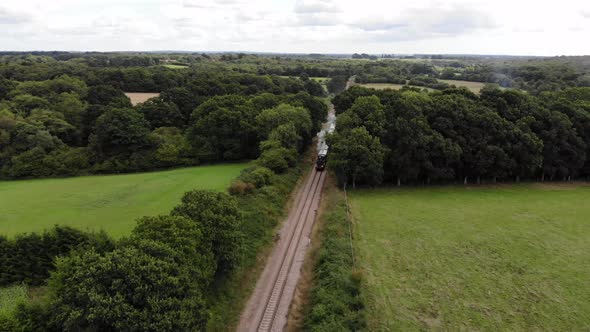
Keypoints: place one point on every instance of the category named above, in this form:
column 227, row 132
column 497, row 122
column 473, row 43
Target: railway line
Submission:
column 268, row 306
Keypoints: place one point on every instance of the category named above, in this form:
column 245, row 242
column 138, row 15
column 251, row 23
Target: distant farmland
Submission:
column 384, row 86
column 110, row 202
column 140, row 97
column 505, row 258
column 474, row 87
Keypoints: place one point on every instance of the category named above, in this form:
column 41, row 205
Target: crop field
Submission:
column 110, row 202
column 383, row 86
column 10, row 297
column 474, row 87
column 509, row 257
column 140, row 97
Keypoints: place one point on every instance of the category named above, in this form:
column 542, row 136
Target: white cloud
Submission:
column 8, row 16
column 316, row 6
column 379, row 26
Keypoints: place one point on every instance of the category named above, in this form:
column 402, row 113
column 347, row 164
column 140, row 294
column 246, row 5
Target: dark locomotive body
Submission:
column 322, row 159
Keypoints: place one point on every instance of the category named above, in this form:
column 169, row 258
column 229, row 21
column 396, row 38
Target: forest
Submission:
column 68, row 119
column 454, row 135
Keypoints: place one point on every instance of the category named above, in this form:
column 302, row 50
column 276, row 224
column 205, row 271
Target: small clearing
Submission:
column 140, row 97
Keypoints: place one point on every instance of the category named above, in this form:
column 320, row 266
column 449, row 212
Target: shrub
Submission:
column 186, row 238
column 278, row 159
column 220, row 220
column 129, row 289
column 257, row 175
column 239, row 187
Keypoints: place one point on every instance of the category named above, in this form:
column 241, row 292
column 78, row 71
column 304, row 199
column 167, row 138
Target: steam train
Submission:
column 322, row 159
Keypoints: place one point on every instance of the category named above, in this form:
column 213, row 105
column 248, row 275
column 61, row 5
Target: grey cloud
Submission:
column 315, row 6
column 9, row 17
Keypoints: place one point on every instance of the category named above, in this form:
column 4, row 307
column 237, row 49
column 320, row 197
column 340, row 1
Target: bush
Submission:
column 258, row 176
column 220, row 220
column 67, row 161
column 129, row 289
column 278, row 159
column 239, row 187
column 186, row 238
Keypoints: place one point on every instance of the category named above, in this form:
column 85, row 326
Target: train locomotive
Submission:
column 322, row 159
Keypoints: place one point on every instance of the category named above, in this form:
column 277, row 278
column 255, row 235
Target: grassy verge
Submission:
column 262, row 210
column 334, row 302
column 10, row 297
column 508, row 257
column 110, row 202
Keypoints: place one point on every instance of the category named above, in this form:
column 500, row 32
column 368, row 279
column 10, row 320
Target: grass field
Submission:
column 175, row 66
column 112, row 202
column 10, row 297
column 510, row 258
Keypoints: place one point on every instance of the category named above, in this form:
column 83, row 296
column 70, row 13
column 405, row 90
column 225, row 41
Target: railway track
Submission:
column 268, row 306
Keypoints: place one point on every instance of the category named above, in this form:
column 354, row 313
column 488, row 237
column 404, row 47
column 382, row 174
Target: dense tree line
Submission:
column 418, row 137
column 70, row 125
column 28, row 258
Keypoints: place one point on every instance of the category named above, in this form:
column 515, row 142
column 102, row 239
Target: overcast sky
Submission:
column 519, row 27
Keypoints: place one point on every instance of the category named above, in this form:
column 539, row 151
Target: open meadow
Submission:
column 109, row 202
column 506, row 257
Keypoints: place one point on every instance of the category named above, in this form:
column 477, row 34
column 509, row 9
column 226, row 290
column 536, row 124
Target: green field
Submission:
column 511, row 257
column 10, row 297
column 110, row 202
column 175, row 66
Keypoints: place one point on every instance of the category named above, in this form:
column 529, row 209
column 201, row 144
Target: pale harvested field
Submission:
column 383, row 86
column 140, row 97
column 474, row 87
